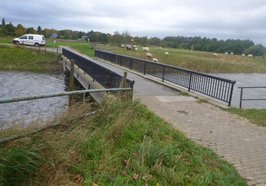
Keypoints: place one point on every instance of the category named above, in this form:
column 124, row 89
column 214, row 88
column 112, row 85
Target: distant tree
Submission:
column 31, row 30
column 155, row 41
column 9, row 29
column 3, row 22
column 256, row 50
column 20, row 30
column 39, row 30
column 47, row 32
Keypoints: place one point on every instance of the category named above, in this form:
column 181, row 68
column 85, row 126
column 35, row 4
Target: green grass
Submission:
column 196, row 60
column 81, row 46
column 256, row 116
column 23, row 59
column 122, row 144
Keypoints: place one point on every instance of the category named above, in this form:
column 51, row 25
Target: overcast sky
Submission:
column 222, row 19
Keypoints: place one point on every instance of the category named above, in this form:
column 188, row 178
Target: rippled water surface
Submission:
column 248, row 80
column 17, row 84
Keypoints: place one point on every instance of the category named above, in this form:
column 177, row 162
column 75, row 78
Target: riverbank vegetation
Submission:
column 256, row 116
column 121, row 144
column 23, row 59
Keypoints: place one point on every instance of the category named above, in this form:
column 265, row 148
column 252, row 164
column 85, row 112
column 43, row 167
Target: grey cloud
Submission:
column 221, row 18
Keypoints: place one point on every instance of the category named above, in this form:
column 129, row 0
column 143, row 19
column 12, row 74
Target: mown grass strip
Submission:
column 256, row 116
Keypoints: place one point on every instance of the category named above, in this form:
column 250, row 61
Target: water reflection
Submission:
column 13, row 84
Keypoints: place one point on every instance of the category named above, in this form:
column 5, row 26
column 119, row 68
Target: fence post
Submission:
column 190, row 80
column 231, row 93
column 241, row 96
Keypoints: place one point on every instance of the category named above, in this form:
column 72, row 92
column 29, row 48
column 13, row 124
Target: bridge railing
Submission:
column 216, row 87
column 102, row 75
column 250, row 99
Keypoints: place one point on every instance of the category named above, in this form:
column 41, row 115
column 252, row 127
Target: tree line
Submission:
column 235, row 46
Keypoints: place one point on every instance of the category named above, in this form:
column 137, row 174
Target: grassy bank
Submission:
column 199, row 61
column 122, row 144
column 256, row 116
column 80, row 46
column 23, row 59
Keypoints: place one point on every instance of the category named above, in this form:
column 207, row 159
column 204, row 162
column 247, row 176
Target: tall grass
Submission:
column 122, row 144
column 18, row 165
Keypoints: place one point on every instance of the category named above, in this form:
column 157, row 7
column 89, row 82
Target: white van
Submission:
column 30, row 39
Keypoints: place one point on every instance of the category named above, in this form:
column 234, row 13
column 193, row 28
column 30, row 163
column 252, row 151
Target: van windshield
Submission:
column 23, row 37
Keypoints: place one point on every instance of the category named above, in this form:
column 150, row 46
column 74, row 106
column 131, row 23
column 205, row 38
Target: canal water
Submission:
column 248, row 80
column 17, row 84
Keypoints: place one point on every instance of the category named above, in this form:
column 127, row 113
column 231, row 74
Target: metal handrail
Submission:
column 17, row 99
column 216, row 87
column 249, row 99
column 96, row 71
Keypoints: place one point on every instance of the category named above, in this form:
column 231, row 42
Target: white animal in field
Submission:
column 155, row 60
column 231, row 53
column 149, row 55
column 122, row 45
column 226, row 53
column 243, row 55
column 136, row 48
column 166, row 53
column 215, row 54
column 147, row 49
column 250, row 55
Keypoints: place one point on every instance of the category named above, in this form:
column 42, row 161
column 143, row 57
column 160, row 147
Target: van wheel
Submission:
column 36, row 44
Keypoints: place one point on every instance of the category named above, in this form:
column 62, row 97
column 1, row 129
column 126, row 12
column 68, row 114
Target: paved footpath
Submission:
column 233, row 138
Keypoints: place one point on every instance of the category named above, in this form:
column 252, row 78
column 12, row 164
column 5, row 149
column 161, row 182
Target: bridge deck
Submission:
column 142, row 86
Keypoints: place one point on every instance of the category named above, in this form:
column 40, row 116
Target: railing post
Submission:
column 130, row 65
column 190, row 79
column 231, row 93
column 84, row 98
column 163, row 73
column 71, row 77
column 241, row 96
column 145, row 66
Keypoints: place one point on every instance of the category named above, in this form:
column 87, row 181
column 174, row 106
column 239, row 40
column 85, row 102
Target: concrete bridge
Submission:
column 234, row 139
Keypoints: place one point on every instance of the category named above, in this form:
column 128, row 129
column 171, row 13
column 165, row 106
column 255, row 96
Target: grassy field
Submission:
column 196, row 60
column 22, row 59
column 256, row 116
column 80, row 46
column 122, row 144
